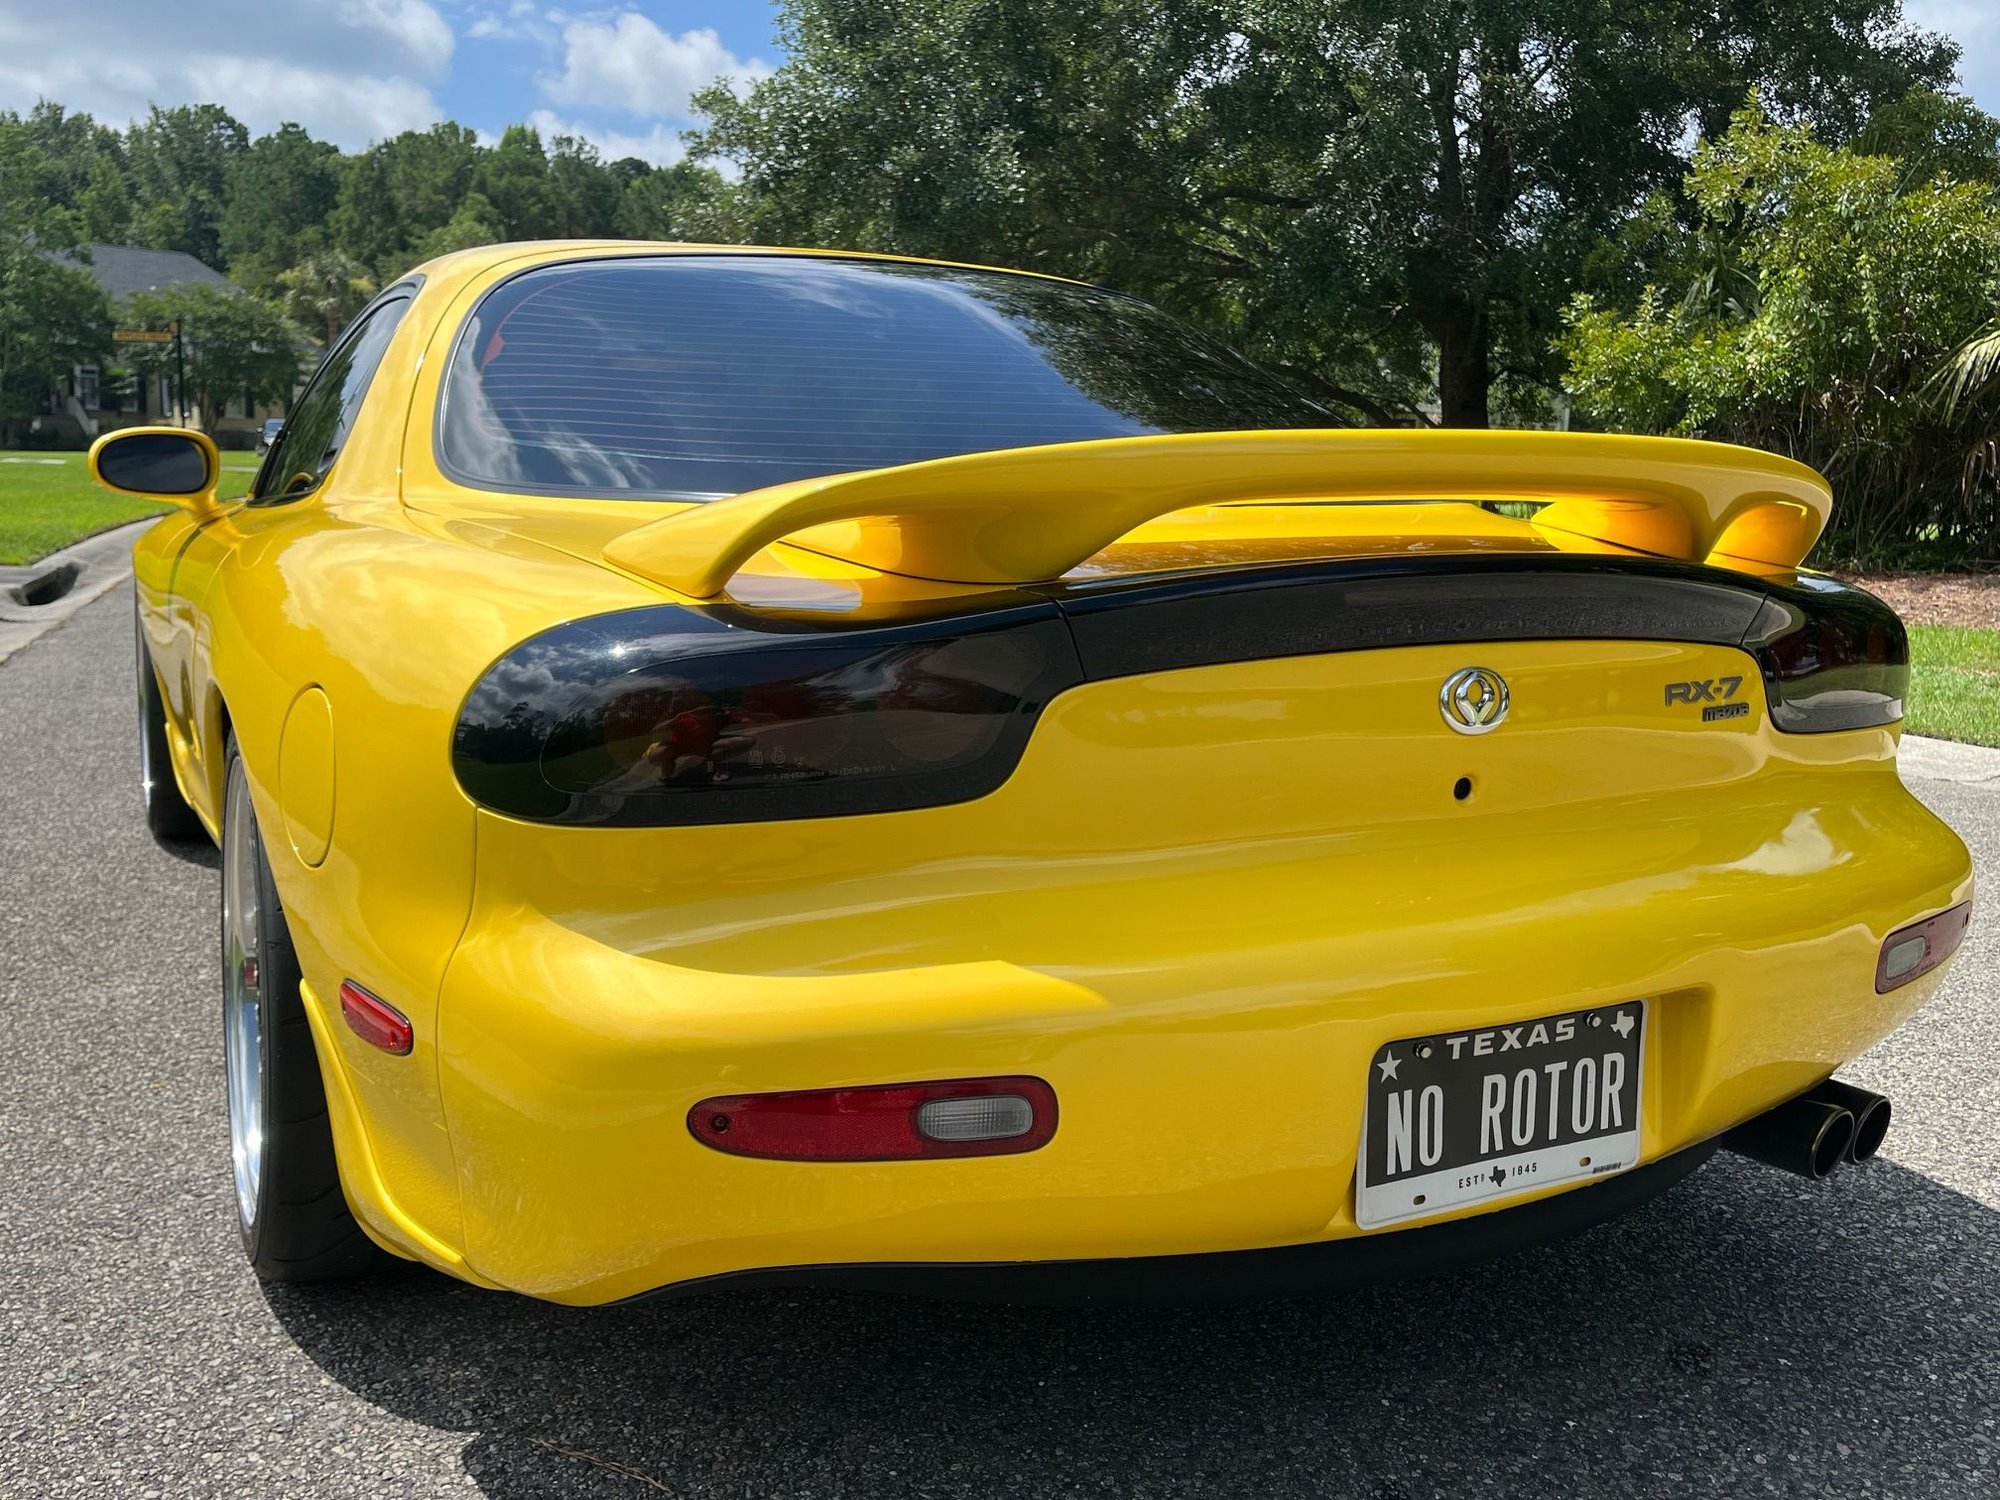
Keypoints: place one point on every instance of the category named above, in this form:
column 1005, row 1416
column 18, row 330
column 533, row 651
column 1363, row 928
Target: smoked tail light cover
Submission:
column 678, row 716
column 1834, row 657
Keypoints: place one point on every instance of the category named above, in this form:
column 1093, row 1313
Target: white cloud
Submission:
column 630, row 64
column 517, row 21
column 661, row 145
column 351, row 71
column 412, row 25
column 338, row 106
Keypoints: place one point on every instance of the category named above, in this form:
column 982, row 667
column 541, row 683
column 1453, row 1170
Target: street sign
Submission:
column 141, row 336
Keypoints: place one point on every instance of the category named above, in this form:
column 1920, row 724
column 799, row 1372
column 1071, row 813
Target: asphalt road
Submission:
column 1747, row 1334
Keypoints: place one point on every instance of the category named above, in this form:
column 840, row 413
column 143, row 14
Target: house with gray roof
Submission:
column 124, row 269
column 88, row 402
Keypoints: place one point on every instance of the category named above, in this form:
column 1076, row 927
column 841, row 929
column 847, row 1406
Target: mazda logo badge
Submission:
column 1473, row 700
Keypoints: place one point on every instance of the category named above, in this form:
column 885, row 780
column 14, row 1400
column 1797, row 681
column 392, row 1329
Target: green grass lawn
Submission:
column 1955, row 684
column 47, row 501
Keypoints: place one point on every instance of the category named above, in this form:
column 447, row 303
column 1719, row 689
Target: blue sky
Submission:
column 621, row 76
column 353, row 71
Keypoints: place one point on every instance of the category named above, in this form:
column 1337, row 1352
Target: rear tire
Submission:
column 291, row 1212
column 169, row 819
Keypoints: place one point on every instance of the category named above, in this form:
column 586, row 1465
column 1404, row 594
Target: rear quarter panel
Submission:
column 383, row 621
column 391, row 626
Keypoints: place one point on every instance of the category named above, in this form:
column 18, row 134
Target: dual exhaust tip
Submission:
column 1816, row 1132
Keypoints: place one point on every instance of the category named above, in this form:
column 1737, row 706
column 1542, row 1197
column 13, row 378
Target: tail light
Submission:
column 682, row 716
column 1911, row 952
column 1833, row 656
column 891, row 1122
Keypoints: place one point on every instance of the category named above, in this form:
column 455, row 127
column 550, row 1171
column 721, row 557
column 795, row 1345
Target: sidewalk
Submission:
column 63, row 582
column 1946, row 760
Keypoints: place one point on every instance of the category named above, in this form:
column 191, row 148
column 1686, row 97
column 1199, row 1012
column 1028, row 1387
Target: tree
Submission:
column 585, row 190
column 324, row 291
column 1814, row 308
column 279, row 190
column 104, row 202
column 52, row 315
column 680, row 202
column 1933, row 135
column 365, row 223
column 235, row 346
column 514, row 178
column 79, row 165
column 430, row 171
column 1357, row 189
column 474, row 223
column 180, row 162
column 401, row 190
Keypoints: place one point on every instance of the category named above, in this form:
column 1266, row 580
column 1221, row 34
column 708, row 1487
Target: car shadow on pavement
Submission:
column 1745, row 1333
column 203, row 854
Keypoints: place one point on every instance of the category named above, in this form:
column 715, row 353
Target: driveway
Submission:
column 1747, row 1334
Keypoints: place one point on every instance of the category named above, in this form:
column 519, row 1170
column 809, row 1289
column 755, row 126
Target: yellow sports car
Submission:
column 746, row 764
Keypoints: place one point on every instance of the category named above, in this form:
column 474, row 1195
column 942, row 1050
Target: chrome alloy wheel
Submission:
column 242, row 999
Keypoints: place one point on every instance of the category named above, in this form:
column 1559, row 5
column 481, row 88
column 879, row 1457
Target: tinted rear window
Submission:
column 710, row 375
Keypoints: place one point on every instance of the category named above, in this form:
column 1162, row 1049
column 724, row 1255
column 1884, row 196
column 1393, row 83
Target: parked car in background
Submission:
column 268, row 433
column 790, row 765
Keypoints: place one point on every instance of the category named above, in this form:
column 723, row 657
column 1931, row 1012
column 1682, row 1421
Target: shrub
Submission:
column 1817, row 301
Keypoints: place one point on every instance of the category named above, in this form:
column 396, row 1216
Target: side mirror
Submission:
column 159, row 463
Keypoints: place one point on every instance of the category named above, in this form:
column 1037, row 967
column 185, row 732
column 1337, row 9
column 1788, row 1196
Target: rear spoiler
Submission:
column 1026, row 515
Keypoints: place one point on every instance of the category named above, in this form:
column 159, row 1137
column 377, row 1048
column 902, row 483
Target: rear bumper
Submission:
column 1208, row 1063
column 1197, row 908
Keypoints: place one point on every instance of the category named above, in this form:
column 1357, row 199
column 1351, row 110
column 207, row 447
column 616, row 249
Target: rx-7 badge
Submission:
column 1704, row 690
column 1714, row 692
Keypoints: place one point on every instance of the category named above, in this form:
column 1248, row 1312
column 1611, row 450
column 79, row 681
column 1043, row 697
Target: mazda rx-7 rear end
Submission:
column 747, row 764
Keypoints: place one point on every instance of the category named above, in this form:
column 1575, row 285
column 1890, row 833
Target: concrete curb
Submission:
column 66, row 581
column 1921, row 759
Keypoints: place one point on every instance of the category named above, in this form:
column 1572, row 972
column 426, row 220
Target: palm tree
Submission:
column 326, row 290
column 1969, row 372
column 1962, row 392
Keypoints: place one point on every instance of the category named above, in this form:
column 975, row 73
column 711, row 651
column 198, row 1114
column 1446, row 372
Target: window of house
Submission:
column 87, row 387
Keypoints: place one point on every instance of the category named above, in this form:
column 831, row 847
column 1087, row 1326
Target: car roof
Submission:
column 521, row 255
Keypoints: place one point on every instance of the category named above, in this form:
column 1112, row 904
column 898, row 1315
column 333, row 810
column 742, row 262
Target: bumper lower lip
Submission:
column 1237, row 1275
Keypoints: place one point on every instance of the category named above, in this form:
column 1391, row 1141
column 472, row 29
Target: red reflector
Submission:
column 886, row 1123
column 1913, row 951
column 375, row 1021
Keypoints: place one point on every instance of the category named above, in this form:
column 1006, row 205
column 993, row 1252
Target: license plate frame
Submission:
column 1420, row 1091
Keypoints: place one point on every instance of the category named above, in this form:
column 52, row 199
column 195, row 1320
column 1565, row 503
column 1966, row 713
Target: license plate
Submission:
column 1472, row 1116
